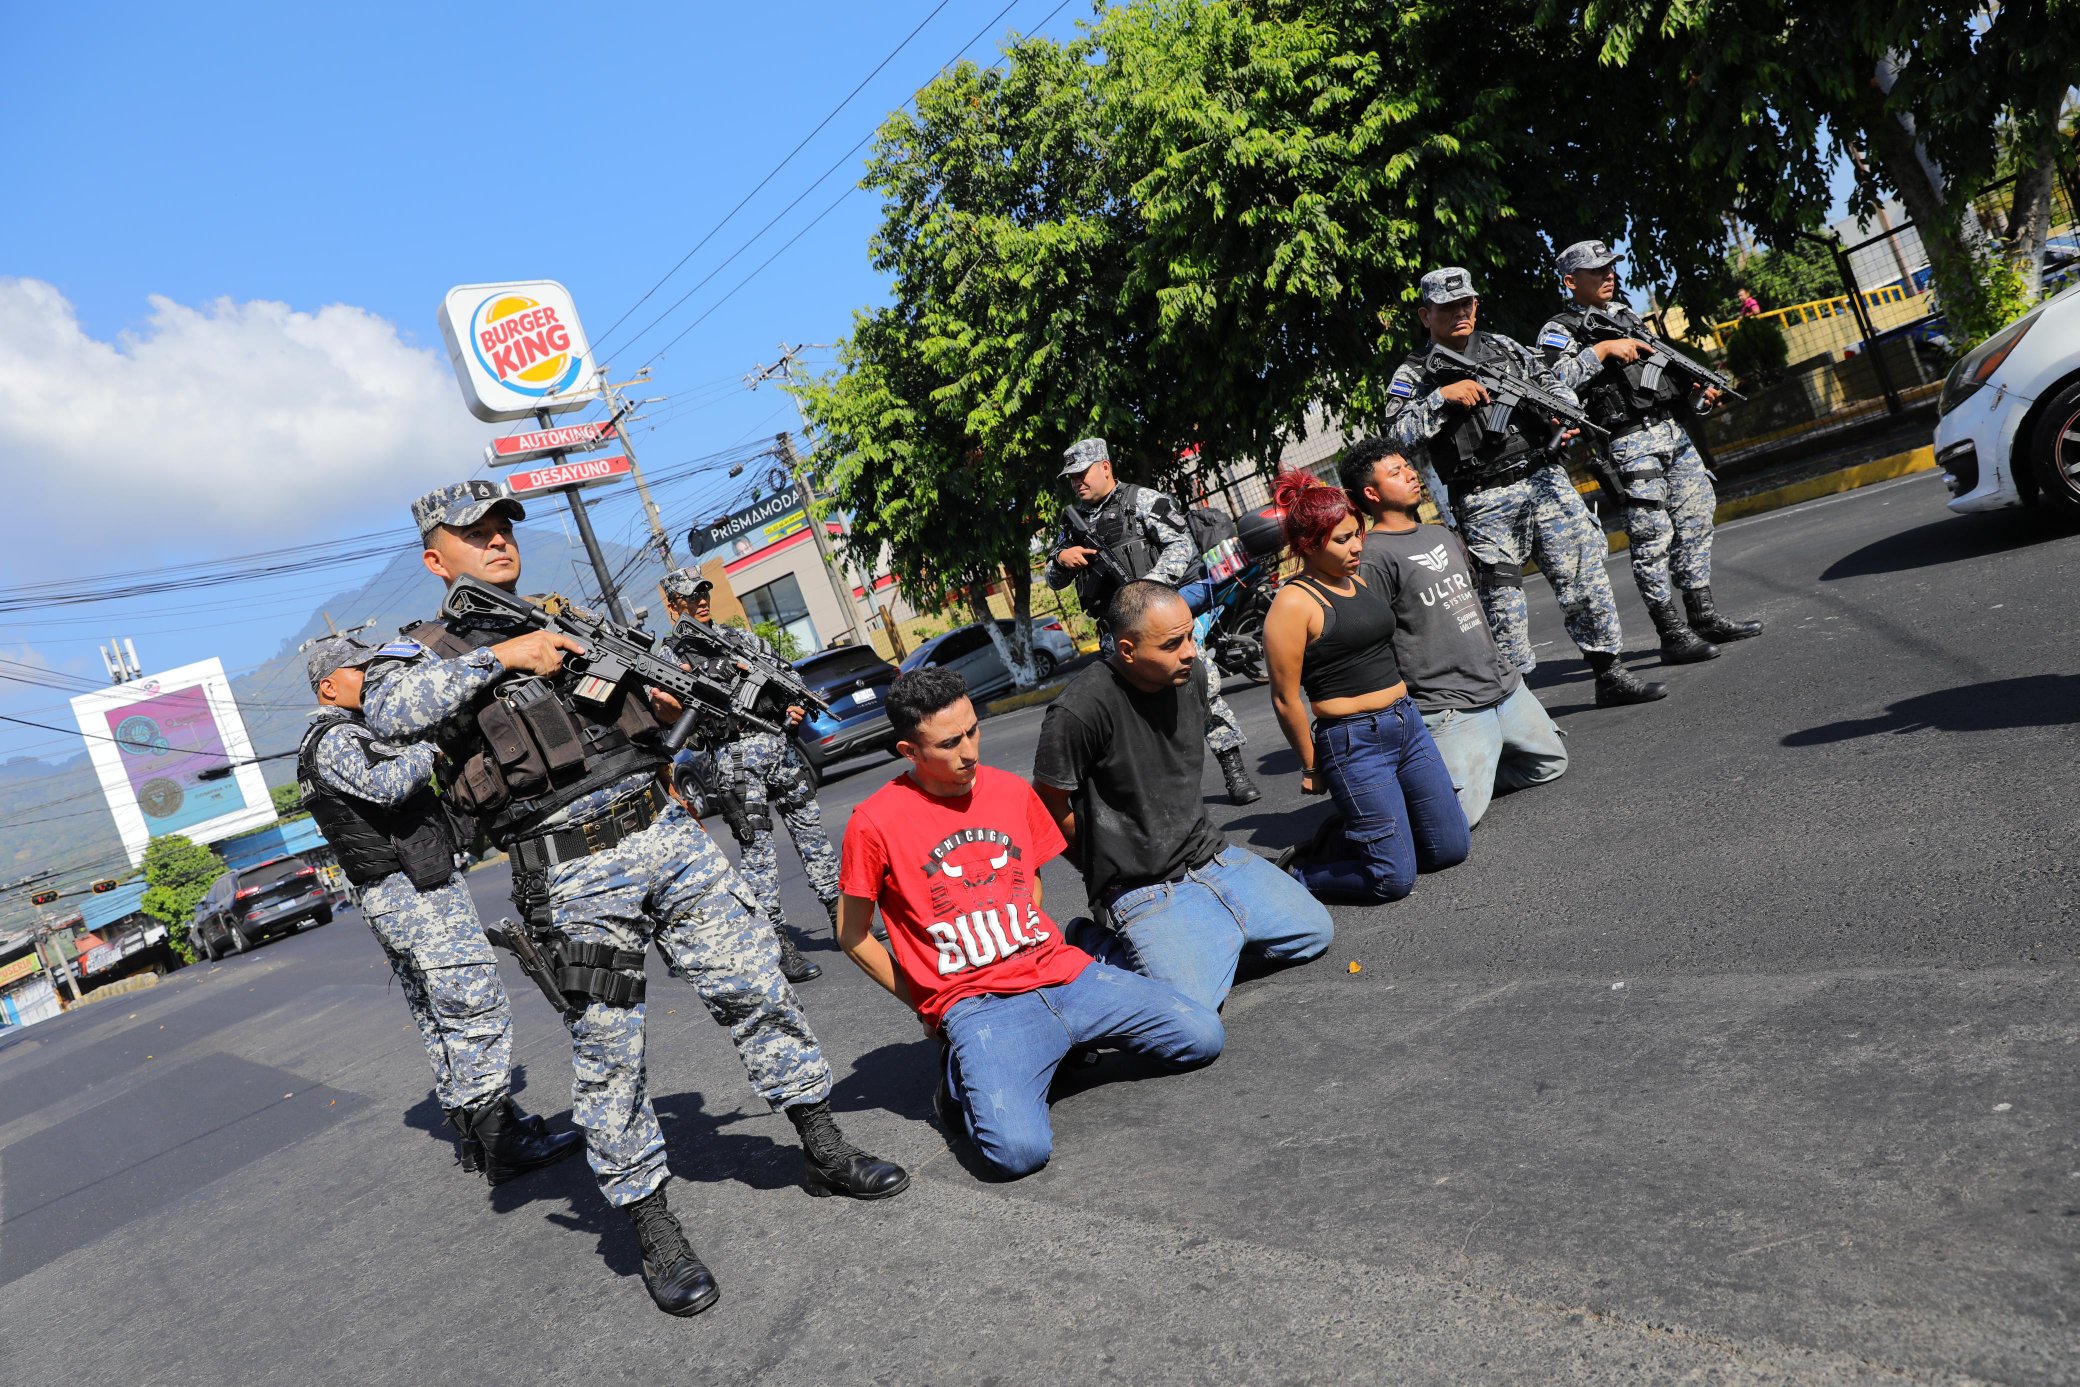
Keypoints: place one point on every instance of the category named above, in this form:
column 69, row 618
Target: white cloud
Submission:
column 219, row 428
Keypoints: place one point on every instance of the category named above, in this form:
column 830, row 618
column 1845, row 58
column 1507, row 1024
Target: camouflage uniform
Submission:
column 667, row 886
column 768, row 779
column 1161, row 519
column 432, row 938
column 1667, row 493
column 1539, row 516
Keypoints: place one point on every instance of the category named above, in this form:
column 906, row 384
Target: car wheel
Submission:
column 239, row 942
column 2054, row 451
column 202, row 946
column 1043, row 665
column 323, row 917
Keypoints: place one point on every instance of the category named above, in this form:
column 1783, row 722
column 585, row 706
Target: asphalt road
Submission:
column 1745, row 1053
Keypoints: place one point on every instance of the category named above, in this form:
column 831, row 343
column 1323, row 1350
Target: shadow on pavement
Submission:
column 1950, row 540
column 2035, row 700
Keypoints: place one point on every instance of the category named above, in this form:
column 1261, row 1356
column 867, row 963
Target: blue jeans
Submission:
column 1508, row 746
column 1002, row 1051
column 1190, row 933
column 1400, row 814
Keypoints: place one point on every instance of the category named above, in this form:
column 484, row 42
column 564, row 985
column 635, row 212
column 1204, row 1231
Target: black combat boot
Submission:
column 1679, row 644
column 793, row 966
column 1241, row 789
column 1706, row 621
column 673, row 1272
column 510, row 1146
column 469, row 1152
column 836, row 1166
column 1617, row 685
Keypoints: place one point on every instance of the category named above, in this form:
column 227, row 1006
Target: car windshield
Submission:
column 268, row 873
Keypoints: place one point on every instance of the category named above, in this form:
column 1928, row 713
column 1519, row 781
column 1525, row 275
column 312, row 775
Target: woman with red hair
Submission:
column 1330, row 636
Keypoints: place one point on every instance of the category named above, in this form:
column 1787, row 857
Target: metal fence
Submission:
column 1877, row 349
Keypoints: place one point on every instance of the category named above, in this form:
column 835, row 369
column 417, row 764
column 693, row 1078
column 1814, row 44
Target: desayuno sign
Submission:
column 517, row 349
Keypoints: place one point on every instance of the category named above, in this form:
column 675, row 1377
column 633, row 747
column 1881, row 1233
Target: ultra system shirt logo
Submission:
column 525, row 344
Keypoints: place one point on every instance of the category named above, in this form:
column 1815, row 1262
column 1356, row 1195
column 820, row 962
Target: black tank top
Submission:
column 1355, row 652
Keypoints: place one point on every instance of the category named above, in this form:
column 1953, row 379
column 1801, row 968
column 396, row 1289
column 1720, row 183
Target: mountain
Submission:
column 52, row 812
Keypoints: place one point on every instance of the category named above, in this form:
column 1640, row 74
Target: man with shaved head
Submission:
column 1120, row 766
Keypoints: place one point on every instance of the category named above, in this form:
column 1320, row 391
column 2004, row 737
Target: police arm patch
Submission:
column 1555, row 336
column 1401, row 387
column 400, row 650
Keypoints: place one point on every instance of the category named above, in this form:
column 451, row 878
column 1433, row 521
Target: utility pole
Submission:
column 620, row 410
column 607, row 590
column 841, row 587
column 840, row 584
column 43, row 933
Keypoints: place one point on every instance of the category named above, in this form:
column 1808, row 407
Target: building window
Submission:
column 780, row 602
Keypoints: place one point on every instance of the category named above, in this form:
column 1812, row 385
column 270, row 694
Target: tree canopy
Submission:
column 177, row 874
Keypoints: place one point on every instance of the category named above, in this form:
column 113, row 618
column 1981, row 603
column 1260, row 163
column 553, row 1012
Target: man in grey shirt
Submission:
column 1488, row 725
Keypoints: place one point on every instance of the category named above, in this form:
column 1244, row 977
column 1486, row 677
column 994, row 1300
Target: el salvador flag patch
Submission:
column 1554, row 337
column 400, row 650
column 1402, row 387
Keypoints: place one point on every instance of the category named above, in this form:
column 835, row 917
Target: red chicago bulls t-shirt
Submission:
column 954, row 879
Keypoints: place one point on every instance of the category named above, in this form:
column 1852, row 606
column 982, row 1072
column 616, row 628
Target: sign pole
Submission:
column 841, row 587
column 607, row 590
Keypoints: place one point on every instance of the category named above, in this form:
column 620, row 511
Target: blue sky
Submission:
column 231, row 225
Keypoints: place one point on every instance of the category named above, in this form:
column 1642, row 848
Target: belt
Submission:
column 624, row 818
column 1506, row 475
column 1638, row 426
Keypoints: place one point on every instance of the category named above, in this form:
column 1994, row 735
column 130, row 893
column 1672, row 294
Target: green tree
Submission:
column 177, row 875
column 288, row 801
column 942, row 425
column 772, row 633
column 1767, row 96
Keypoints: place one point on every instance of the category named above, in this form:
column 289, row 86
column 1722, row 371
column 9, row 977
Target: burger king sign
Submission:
column 517, row 349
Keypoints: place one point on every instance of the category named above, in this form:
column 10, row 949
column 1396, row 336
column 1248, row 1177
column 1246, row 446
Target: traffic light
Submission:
column 43, row 898
column 105, row 884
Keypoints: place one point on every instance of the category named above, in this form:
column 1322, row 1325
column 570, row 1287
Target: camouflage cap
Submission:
column 686, row 582
column 334, row 653
column 1585, row 255
column 462, row 503
column 1448, row 285
column 1079, row 456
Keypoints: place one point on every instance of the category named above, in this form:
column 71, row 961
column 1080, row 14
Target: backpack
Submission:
column 1217, row 542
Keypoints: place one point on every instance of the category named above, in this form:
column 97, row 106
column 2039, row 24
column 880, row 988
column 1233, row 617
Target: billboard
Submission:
column 151, row 739
column 517, row 349
column 753, row 528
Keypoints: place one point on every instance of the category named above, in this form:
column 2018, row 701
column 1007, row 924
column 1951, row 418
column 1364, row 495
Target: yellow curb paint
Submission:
column 1031, row 698
column 1833, row 484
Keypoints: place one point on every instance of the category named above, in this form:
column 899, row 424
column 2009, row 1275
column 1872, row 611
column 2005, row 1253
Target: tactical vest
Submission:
column 1615, row 397
column 1464, row 455
column 374, row 840
column 1118, row 533
column 528, row 749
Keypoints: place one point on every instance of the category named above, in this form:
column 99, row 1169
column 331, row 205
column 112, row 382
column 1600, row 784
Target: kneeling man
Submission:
column 951, row 852
column 1122, row 754
column 1489, row 727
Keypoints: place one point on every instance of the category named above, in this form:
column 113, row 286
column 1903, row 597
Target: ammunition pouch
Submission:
column 588, row 973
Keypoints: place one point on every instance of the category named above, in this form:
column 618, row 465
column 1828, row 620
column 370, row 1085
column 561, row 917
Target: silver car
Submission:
column 969, row 650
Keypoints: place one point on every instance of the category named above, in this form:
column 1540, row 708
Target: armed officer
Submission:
column 1115, row 532
column 1660, row 480
column 1509, row 492
column 758, row 777
column 374, row 803
column 605, row 864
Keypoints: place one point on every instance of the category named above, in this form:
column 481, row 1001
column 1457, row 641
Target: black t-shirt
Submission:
column 1132, row 762
column 1442, row 640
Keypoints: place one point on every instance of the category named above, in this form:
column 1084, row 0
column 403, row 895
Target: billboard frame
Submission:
column 91, row 710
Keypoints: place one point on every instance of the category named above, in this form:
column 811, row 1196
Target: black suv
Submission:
column 245, row 907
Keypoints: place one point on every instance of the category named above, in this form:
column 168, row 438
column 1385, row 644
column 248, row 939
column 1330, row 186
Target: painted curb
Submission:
column 1864, row 474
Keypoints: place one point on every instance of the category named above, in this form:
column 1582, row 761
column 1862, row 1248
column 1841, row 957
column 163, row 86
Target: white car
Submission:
column 2008, row 431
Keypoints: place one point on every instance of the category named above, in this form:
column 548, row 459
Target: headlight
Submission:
column 1977, row 366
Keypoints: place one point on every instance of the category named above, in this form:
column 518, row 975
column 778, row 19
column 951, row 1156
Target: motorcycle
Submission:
column 1244, row 574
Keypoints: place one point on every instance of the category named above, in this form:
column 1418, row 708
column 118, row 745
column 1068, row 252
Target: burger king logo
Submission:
column 524, row 344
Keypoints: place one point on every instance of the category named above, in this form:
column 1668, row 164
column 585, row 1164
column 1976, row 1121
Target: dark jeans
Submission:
column 1400, row 812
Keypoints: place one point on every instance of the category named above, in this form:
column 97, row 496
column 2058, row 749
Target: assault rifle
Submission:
column 768, row 684
column 618, row 657
column 1507, row 391
column 1602, row 325
column 1109, row 577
